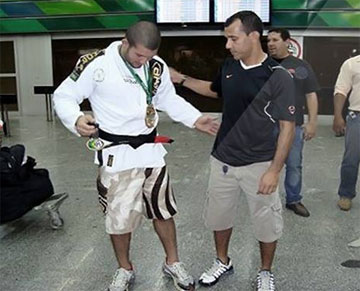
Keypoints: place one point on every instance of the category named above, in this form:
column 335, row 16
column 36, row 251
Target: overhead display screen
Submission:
column 225, row 8
column 182, row 11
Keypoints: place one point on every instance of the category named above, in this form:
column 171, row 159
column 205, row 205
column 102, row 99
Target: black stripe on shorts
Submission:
column 155, row 194
column 169, row 207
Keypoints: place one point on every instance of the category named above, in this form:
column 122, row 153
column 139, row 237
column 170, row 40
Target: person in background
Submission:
column 258, row 98
column 126, row 83
column 348, row 84
column 306, row 86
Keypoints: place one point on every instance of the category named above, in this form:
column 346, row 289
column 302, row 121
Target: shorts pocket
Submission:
column 278, row 220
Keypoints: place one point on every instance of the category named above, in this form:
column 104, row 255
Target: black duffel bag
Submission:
column 22, row 187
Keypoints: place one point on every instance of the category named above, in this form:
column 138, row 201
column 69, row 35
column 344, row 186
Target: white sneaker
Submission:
column 182, row 279
column 122, row 280
column 265, row 281
column 355, row 243
column 217, row 270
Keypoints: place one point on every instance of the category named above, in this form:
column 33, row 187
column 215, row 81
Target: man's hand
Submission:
column 85, row 125
column 268, row 182
column 176, row 77
column 208, row 124
column 339, row 126
column 309, row 130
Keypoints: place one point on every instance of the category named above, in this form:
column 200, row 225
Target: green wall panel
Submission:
column 2, row 13
column 70, row 7
column 343, row 20
column 289, row 4
column 21, row 26
column 341, row 4
column 354, row 3
column 120, row 14
column 315, row 4
column 122, row 22
column 110, row 5
column 71, row 23
column 316, row 20
column 284, row 19
column 131, row 5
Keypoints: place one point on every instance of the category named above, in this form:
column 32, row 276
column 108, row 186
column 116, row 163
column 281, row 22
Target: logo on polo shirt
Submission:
column 299, row 72
column 291, row 71
column 291, row 109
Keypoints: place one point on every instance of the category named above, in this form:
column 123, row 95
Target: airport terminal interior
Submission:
column 80, row 257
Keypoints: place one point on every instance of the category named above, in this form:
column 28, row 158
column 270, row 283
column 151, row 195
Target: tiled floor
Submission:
column 80, row 257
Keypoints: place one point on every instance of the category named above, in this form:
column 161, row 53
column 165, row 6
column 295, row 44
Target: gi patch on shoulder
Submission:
column 83, row 62
column 156, row 69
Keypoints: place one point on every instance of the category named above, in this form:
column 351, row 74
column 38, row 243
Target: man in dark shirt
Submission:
column 258, row 98
column 306, row 86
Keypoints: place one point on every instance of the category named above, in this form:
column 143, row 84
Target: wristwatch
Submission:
column 183, row 80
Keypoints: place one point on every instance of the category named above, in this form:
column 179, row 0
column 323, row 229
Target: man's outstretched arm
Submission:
column 198, row 86
column 207, row 124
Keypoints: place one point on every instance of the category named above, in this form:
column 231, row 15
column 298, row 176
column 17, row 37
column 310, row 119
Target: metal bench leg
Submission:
column 51, row 205
column 7, row 122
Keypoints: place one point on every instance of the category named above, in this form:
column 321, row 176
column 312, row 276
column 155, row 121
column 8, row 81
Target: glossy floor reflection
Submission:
column 79, row 257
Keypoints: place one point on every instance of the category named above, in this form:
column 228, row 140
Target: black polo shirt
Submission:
column 305, row 82
column 253, row 101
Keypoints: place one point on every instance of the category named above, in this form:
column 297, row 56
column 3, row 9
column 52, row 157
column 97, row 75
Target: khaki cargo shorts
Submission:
column 225, row 185
column 126, row 197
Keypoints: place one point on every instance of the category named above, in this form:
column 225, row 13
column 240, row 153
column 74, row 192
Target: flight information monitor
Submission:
column 182, row 11
column 225, row 8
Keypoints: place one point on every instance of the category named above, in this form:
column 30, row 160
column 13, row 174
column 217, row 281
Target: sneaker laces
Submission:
column 265, row 279
column 180, row 271
column 121, row 278
column 217, row 268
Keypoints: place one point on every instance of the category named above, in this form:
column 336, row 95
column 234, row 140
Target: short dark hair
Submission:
column 284, row 33
column 250, row 20
column 144, row 33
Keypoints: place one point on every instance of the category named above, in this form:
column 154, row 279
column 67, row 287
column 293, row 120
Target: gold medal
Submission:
column 150, row 117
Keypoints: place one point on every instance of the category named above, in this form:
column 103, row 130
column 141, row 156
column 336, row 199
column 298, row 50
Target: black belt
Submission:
column 133, row 141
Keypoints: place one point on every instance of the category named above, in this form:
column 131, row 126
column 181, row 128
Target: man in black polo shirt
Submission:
column 258, row 100
column 306, row 86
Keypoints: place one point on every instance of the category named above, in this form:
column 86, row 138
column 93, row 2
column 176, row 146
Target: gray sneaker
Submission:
column 182, row 279
column 122, row 280
column 265, row 281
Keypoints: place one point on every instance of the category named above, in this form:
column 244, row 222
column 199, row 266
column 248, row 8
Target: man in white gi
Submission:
column 125, row 84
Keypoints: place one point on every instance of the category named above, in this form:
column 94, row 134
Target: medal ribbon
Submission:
column 148, row 77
